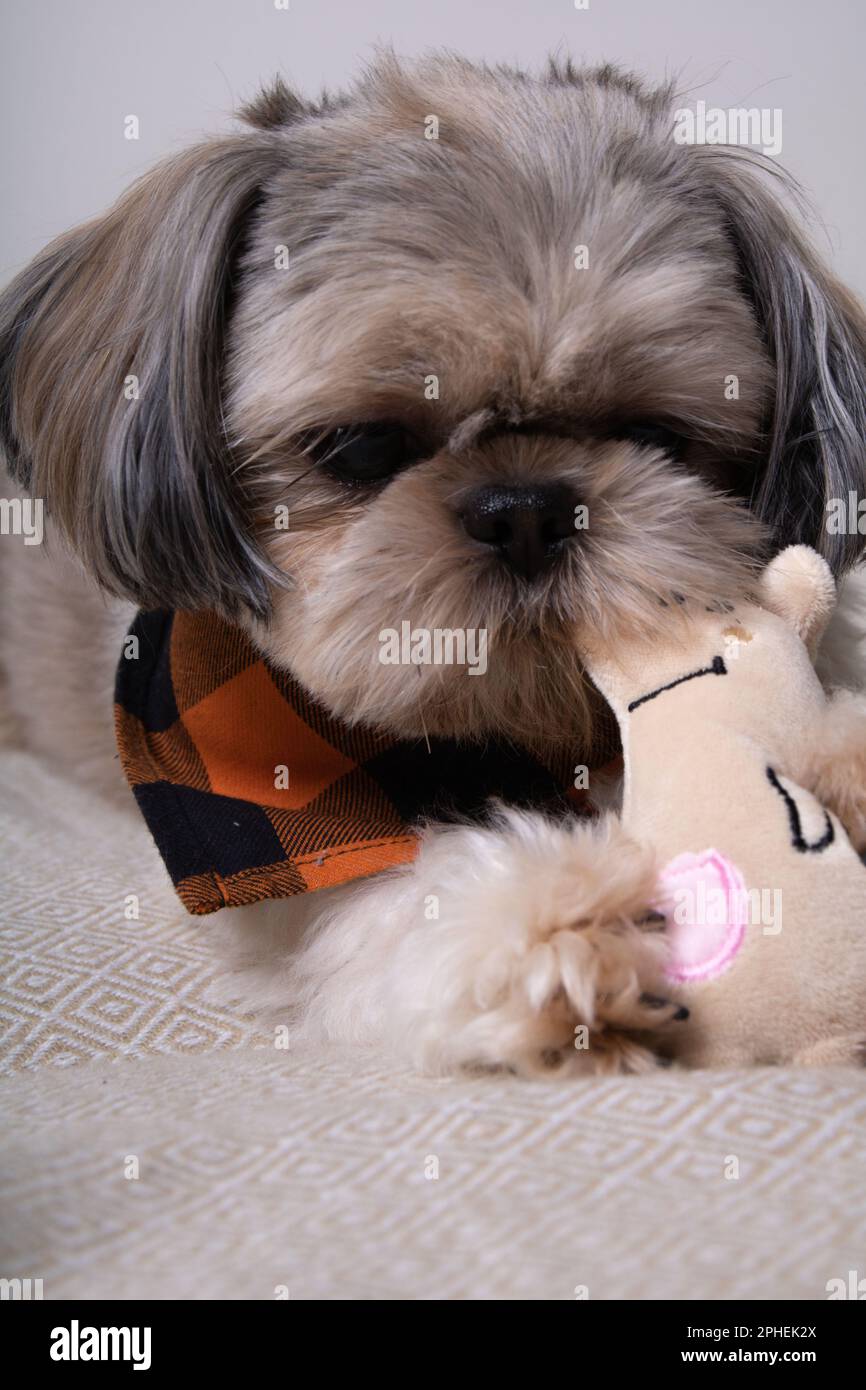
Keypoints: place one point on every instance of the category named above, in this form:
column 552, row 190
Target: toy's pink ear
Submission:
column 705, row 899
column 798, row 586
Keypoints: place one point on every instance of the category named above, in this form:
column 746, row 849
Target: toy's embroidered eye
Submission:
column 368, row 453
column 654, row 436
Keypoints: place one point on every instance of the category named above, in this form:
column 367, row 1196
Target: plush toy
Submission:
column 763, row 893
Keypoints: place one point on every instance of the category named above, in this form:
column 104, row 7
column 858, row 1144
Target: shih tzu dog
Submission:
column 436, row 317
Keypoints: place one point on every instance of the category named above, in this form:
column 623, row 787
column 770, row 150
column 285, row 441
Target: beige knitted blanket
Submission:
column 155, row 1144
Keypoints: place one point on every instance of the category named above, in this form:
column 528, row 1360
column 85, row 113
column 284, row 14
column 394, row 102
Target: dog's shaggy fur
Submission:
column 167, row 381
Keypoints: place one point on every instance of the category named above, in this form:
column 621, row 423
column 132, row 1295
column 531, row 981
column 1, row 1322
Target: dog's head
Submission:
column 462, row 349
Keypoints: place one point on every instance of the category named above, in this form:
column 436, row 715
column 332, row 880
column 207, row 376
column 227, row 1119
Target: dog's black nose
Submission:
column 527, row 525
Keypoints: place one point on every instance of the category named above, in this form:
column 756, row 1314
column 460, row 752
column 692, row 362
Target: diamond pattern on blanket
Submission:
column 310, row 1168
column 617, row 1187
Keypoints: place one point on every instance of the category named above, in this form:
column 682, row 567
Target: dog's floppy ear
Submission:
column 111, row 365
column 816, row 332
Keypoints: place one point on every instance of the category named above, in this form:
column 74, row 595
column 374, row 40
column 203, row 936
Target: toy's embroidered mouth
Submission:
column 798, row 839
column 716, row 667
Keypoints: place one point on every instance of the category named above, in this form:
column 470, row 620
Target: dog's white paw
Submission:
column 545, row 954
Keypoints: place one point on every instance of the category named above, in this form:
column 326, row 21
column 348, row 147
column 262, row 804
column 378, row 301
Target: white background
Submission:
column 71, row 70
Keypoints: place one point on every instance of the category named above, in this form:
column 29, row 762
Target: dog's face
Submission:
column 535, row 376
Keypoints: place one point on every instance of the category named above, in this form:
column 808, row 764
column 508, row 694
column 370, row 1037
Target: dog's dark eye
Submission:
column 368, row 453
column 654, row 436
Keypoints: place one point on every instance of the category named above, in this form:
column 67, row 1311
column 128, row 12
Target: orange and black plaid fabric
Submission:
column 252, row 790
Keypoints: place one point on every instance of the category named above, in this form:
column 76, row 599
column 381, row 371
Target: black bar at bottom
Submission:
column 160, row 1338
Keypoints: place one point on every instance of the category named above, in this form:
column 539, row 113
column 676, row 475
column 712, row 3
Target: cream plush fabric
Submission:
column 717, row 723
column 262, row 1169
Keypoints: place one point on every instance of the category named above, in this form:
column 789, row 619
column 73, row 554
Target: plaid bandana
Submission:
column 252, row 790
